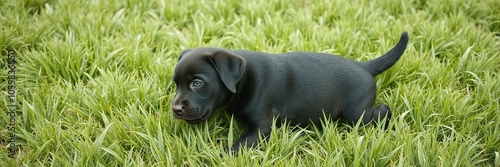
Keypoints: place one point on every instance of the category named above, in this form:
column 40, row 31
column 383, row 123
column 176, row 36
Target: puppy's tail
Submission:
column 382, row 63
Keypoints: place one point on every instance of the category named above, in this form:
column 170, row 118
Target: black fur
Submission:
column 301, row 87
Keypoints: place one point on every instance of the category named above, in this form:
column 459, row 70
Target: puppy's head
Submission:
column 205, row 78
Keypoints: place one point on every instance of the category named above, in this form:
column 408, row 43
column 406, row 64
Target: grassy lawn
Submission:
column 93, row 81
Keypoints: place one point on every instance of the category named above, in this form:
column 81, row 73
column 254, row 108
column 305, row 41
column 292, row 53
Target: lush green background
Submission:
column 94, row 80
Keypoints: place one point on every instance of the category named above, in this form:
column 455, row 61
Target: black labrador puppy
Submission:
column 300, row 87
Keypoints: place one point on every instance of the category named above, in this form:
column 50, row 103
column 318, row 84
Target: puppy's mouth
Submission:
column 200, row 119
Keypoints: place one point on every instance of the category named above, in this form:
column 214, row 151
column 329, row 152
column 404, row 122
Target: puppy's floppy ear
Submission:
column 183, row 53
column 230, row 67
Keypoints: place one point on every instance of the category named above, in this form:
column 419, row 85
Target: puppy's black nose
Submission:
column 178, row 109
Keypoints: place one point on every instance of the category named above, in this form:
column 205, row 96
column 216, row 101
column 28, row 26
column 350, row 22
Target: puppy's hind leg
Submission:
column 369, row 114
column 379, row 113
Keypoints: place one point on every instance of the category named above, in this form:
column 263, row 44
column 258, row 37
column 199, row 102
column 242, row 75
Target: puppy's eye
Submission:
column 196, row 83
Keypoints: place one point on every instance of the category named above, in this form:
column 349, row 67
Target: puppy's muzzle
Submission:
column 192, row 115
column 178, row 109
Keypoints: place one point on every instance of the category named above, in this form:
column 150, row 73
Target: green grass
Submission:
column 94, row 81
